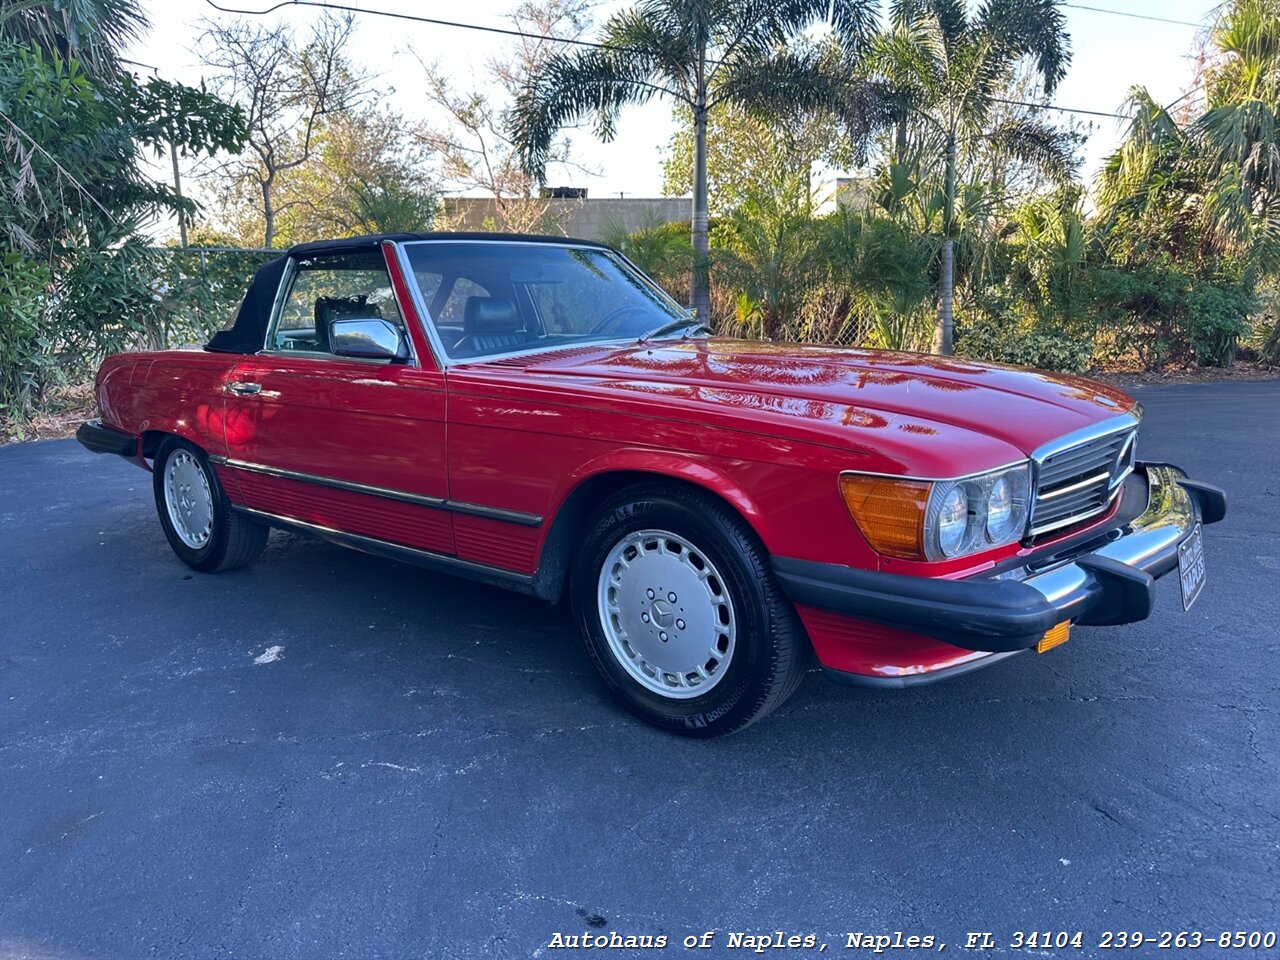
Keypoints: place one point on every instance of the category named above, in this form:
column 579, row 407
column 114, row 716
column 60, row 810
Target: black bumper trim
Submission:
column 1211, row 500
column 1111, row 585
column 991, row 615
column 95, row 437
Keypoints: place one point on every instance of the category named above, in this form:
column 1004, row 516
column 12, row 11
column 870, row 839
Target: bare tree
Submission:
column 471, row 133
column 366, row 175
column 286, row 89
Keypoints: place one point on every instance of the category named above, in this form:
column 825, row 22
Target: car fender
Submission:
column 669, row 464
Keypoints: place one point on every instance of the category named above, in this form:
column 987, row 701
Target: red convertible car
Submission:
column 537, row 414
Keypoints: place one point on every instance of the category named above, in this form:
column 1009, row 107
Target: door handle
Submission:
column 242, row 388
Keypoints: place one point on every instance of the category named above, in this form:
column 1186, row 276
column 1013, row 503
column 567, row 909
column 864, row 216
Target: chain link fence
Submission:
column 198, row 289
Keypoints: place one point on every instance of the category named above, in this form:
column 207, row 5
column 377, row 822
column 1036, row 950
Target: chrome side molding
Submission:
column 510, row 579
column 436, row 503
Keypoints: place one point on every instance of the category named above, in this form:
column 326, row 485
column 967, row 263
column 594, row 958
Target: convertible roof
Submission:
column 369, row 242
column 249, row 330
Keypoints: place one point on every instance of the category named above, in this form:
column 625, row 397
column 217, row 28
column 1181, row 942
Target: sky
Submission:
column 1111, row 53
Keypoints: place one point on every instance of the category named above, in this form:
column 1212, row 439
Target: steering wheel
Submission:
column 613, row 316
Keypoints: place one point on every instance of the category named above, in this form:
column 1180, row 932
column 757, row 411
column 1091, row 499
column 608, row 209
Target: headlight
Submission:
column 1001, row 515
column 952, row 522
column 939, row 519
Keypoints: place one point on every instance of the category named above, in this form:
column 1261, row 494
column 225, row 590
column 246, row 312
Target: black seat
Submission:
column 490, row 324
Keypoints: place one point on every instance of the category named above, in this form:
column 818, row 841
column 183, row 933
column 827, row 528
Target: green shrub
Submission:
column 1217, row 316
column 1004, row 337
column 25, row 362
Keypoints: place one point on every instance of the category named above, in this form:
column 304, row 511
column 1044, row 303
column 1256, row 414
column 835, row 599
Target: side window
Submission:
column 332, row 287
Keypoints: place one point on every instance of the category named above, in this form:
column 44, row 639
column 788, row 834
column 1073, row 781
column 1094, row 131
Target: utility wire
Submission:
column 1135, row 16
column 1050, row 106
column 504, row 31
column 581, row 43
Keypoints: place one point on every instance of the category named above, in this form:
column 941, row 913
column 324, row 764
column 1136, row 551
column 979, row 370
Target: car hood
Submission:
column 850, row 394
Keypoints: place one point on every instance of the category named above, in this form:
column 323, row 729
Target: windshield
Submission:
column 489, row 298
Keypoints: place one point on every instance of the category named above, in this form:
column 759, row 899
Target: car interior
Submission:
column 324, row 289
column 480, row 305
column 478, row 312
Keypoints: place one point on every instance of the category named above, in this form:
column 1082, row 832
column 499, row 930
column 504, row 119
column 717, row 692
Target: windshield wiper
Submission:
column 680, row 323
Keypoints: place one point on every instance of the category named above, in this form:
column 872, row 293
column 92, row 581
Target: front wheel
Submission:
column 680, row 614
column 198, row 521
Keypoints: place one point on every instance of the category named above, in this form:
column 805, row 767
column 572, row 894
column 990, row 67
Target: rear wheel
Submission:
column 198, row 521
column 679, row 612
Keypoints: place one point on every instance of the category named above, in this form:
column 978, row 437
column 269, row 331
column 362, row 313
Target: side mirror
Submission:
column 373, row 339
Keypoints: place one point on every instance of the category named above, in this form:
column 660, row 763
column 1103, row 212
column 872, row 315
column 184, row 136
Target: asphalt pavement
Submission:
column 329, row 755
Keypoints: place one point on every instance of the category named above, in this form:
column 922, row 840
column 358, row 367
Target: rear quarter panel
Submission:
column 176, row 391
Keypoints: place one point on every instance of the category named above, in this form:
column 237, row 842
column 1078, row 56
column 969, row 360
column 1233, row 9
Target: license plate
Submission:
column 1191, row 567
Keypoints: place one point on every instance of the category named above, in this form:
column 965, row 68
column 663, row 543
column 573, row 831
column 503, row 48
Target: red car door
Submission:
column 345, row 444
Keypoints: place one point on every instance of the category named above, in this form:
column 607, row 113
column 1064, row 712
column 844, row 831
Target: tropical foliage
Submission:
column 963, row 224
column 1163, row 260
column 700, row 56
column 77, row 277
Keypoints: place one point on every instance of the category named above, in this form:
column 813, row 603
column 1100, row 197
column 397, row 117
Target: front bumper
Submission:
column 1108, row 579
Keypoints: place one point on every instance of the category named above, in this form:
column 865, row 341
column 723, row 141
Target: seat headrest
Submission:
column 345, row 308
column 490, row 315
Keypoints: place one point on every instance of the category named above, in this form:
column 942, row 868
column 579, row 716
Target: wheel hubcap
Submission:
column 666, row 613
column 188, row 499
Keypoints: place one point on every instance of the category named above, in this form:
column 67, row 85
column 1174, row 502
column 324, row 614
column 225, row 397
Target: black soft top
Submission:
column 249, row 330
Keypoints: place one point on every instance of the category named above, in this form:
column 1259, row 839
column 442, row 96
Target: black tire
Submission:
column 233, row 540
column 770, row 653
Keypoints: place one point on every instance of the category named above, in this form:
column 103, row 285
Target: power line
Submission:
column 505, row 31
column 583, row 43
column 526, row 35
column 1135, row 16
column 1050, row 106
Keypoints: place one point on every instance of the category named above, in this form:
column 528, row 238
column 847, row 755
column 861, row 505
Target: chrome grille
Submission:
column 1080, row 480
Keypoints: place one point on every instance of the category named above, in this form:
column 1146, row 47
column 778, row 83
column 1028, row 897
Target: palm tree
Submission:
column 1151, row 189
column 698, row 54
column 95, row 32
column 1238, row 135
column 769, row 250
column 944, row 71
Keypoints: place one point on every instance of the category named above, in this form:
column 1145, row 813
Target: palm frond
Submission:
column 95, row 32
column 587, row 83
column 1048, row 148
column 1246, row 135
column 1030, row 28
column 950, row 16
column 904, row 59
column 788, row 84
column 668, row 47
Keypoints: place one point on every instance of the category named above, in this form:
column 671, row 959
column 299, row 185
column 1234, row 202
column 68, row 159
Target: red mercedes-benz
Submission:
column 537, row 414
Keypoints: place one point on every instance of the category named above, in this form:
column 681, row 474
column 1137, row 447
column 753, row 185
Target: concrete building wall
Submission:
column 587, row 219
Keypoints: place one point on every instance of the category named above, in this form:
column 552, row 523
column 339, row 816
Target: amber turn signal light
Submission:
column 889, row 512
column 1054, row 637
